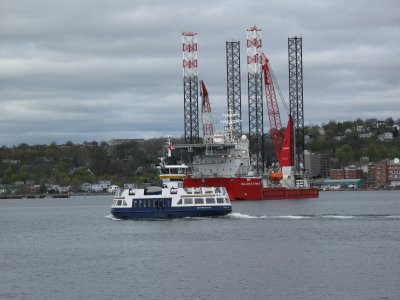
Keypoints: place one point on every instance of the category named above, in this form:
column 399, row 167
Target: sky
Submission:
column 96, row 70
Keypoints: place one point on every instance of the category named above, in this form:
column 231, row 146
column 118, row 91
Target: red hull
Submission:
column 243, row 188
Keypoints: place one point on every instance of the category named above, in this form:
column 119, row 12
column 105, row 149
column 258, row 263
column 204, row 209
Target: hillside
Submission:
column 133, row 160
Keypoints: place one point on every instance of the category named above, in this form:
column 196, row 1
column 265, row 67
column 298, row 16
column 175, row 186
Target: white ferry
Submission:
column 171, row 202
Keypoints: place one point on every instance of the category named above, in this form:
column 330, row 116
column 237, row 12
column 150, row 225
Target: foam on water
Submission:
column 243, row 216
column 290, row 217
column 111, row 217
column 337, row 217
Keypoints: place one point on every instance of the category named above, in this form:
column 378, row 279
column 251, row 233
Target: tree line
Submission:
column 133, row 161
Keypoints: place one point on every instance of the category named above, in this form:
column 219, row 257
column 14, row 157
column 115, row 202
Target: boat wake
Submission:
column 111, row 217
column 243, row 216
column 336, row 217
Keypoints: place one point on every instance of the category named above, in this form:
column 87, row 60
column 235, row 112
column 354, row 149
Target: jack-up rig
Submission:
column 234, row 160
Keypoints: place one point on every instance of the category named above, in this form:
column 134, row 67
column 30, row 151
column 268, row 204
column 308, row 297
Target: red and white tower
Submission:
column 254, row 77
column 190, row 86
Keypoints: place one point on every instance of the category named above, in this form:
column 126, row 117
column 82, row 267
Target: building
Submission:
column 351, row 172
column 380, row 174
column 325, row 165
column 312, row 163
column 336, row 174
column 387, row 136
column 393, row 173
column 387, row 173
column 317, row 164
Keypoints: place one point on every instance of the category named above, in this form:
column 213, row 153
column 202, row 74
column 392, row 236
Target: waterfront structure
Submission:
column 387, row 173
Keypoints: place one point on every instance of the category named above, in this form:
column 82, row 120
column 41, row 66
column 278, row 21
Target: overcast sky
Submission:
column 81, row 70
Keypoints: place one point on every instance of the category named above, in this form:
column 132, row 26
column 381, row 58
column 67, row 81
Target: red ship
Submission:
column 224, row 161
column 252, row 188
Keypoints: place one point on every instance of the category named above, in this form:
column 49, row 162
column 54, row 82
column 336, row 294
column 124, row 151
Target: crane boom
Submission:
column 283, row 140
column 206, row 114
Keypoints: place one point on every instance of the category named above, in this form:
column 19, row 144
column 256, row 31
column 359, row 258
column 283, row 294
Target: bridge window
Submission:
column 197, row 190
column 188, row 190
column 208, row 190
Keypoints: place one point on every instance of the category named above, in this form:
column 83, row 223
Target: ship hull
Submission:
column 251, row 188
column 171, row 213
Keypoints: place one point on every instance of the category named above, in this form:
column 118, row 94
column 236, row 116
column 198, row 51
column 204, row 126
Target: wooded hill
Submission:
column 133, row 161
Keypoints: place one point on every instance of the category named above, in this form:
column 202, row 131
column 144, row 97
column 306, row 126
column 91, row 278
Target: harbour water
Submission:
column 345, row 245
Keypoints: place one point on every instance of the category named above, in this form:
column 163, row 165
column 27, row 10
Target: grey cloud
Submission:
column 93, row 70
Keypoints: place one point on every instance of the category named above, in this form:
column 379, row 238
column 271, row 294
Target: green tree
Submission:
column 344, row 154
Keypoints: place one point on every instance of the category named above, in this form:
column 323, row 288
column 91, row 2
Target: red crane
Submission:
column 206, row 114
column 283, row 140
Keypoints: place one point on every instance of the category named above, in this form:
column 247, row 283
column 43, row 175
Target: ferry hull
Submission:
column 251, row 188
column 171, row 213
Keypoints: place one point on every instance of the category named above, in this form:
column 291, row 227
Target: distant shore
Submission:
column 52, row 196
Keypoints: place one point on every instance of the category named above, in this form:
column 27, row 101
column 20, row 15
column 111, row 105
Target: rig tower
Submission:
column 234, row 93
column 190, row 87
column 295, row 51
column 254, row 77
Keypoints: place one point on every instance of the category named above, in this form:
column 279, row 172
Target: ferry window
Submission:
column 140, row 203
column 210, row 200
column 150, row 203
column 134, row 203
column 217, row 190
column 199, row 201
column 144, row 203
column 124, row 203
column 220, row 200
column 208, row 190
column 114, row 202
column 188, row 201
column 227, row 200
column 180, row 201
column 197, row 190
column 119, row 202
